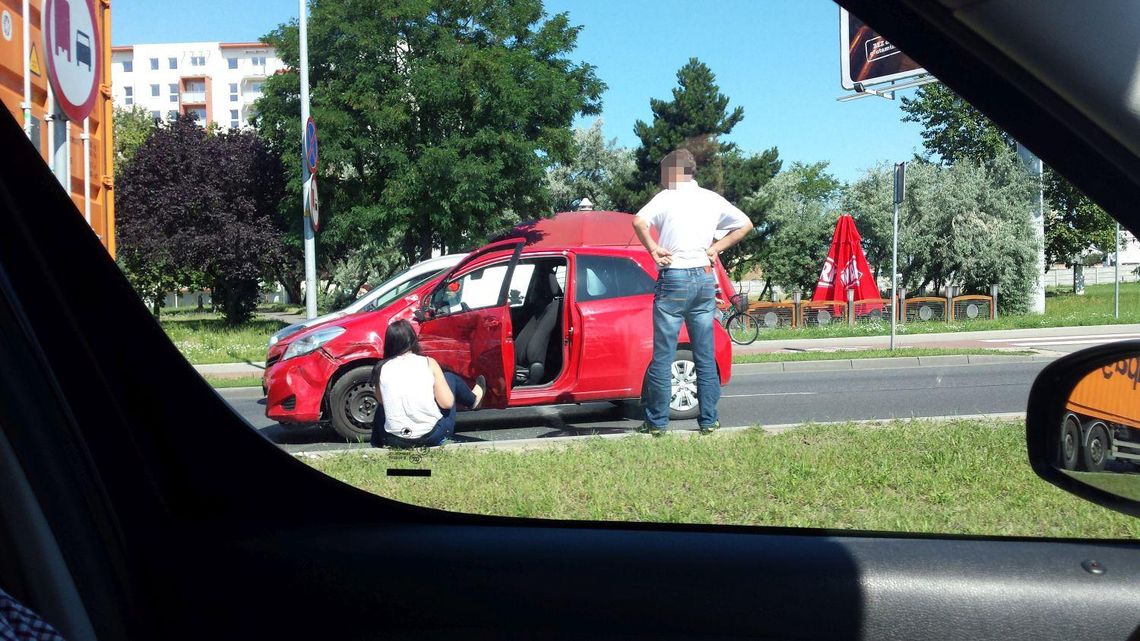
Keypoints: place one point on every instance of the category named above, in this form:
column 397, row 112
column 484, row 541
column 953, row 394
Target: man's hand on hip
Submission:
column 663, row 257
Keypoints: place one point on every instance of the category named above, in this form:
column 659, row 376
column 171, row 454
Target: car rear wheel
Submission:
column 352, row 404
column 1095, row 451
column 1069, row 447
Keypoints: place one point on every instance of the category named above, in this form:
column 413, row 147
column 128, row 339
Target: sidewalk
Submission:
column 991, row 339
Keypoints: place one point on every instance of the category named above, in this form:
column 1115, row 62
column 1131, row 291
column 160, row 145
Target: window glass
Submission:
column 602, row 277
column 428, row 160
column 478, row 289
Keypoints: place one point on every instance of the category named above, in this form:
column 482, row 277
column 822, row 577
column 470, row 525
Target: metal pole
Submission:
column 27, row 104
column 87, row 171
column 894, row 274
column 310, row 239
column 900, row 173
column 1116, row 275
column 1037, row 218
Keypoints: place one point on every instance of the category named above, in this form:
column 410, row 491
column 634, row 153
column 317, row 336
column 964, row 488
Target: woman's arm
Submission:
column 443, row 396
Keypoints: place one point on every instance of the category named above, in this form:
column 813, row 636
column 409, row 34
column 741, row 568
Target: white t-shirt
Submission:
column 407, row 389
column 686, row 218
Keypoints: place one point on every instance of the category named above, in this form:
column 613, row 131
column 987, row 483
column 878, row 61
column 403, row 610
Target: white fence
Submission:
column 1098, row 275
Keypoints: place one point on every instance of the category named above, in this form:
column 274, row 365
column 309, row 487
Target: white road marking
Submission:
column 769, row 394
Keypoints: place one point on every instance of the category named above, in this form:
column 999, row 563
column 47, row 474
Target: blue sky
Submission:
column 779, row 59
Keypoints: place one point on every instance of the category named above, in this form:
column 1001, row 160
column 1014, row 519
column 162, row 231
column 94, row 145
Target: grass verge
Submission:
column 207, row 339
column 966, row 477
column 903, row 352
column 223, row 382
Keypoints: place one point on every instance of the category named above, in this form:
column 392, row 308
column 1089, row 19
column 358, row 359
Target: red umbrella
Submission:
column 846, row 267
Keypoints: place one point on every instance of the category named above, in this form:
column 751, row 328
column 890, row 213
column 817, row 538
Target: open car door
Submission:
column 466, row 322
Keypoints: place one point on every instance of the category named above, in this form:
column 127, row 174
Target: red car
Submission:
column 560, row 311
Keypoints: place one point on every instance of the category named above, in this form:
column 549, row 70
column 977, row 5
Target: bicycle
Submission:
column 742, row 327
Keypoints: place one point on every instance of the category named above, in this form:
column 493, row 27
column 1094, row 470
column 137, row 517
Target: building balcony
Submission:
column 194, row 98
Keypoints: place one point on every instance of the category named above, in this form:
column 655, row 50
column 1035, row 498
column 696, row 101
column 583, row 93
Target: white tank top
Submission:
column 407, row 389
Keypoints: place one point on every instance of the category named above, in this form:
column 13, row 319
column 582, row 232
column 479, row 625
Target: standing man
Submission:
column 686, row 217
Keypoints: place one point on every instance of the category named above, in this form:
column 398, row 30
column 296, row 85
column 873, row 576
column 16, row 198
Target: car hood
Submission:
column 289, row 331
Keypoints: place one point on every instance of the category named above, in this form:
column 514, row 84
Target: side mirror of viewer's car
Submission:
column 1082, row 426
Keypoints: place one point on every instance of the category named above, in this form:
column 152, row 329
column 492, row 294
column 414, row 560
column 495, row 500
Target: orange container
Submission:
column 13, row 67
column 1111, row 393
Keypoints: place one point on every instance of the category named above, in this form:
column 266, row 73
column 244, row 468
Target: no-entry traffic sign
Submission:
column 311, row 152
column 73, row 54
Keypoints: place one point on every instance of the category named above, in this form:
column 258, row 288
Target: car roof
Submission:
column 571, row 229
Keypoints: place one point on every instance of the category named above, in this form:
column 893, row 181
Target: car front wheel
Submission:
column 352, row 404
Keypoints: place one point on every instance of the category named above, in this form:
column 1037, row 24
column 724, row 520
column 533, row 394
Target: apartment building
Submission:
column 217, row 82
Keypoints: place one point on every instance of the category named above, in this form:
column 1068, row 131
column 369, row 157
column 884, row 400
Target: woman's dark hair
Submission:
column 398, row 340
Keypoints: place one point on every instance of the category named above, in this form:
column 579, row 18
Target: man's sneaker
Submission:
column 708, row 429
column 646, row 428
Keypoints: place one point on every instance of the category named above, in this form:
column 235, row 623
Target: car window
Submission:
column 400, row 290
column 602, row 277
column 478, row 289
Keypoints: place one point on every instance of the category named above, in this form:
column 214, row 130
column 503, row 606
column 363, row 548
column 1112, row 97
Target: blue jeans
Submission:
column 444, row 427
column 689, row 296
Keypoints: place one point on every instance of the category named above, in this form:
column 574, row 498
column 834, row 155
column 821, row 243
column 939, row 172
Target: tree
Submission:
column 195, row 210
column 596, row 171
column 954, row 130
column 132, row 127
column 739, row 179
column 695, row 118
column 962, row 225
column 438, row 118
column 801, row 211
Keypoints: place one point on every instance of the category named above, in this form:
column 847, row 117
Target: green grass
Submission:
column 222, row 382
column 1120, row 484
column 1061, row 310
column 902, row 352
column 207, row 339
column 966, row 477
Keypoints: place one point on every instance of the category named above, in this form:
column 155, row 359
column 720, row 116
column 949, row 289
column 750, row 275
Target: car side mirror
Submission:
column 420, row 315
column 1082, row 426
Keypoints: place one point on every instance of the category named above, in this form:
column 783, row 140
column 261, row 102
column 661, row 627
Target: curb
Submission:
column 522, row 445
column 900, row 362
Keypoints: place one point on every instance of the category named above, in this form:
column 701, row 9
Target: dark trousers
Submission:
column 444, row 427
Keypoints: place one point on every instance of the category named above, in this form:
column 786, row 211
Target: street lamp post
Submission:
column 310, row 238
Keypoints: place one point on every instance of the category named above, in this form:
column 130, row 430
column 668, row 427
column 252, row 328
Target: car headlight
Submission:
column 312, row 342
column 285, row 332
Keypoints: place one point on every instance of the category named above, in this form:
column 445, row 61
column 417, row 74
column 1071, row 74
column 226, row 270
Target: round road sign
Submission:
column 73, row 53
column 314, row 205
column 311, row 153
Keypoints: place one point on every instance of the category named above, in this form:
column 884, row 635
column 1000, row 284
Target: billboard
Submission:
column 867, row 57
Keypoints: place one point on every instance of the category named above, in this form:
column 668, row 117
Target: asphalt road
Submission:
column 751, row 398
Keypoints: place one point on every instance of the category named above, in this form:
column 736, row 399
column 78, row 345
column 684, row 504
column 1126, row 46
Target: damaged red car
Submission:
column 557, row 311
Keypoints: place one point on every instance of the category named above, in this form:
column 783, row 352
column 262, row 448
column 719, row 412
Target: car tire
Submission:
column 1094, row 451
column 1069, row 443
column 352, row 402
column 683, row 366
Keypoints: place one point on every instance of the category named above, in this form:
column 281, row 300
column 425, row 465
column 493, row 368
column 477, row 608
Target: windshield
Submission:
column 399, row 290
column 903, row 267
